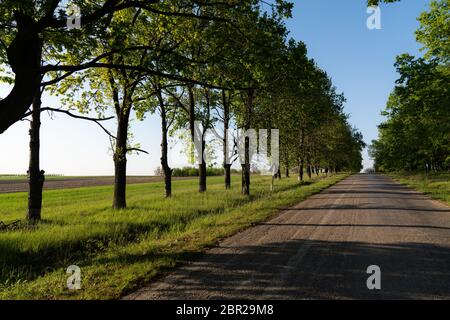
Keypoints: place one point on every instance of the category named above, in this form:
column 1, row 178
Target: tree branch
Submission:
column 96, row 120
column 137, row 149
column 74, row 68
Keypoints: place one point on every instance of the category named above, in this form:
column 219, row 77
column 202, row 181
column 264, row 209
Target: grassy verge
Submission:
column 119, row 250
column 436, row 185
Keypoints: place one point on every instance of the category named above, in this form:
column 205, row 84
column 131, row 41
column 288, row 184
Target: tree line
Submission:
column 225, row 64
column 416, row 134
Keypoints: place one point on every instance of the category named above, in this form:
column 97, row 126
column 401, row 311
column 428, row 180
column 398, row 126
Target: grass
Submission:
column 118, row 251
column 436, row 185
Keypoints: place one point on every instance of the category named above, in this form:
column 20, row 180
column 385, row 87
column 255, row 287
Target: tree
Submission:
column 434, row 31
column 167, row 114
column 25, row 23
column 416, row 134
column 224, row 113
column 115, row 88
column 194, row 56
column 36, row 176
column 268, row 42
column 28, row 27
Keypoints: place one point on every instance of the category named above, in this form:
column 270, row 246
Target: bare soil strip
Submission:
column 10, row 186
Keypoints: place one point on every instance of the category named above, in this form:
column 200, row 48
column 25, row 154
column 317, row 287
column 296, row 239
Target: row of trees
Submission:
column 416, row 135
column 226, row 64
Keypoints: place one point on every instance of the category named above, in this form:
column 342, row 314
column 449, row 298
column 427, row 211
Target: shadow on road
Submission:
column 360, row 208
column 307, row 269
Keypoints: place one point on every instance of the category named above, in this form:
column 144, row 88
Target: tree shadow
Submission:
column 19, row 264
column 360, row 208
column 348, row 225
column 371, row 191
column 371, row 198
column 309, row 269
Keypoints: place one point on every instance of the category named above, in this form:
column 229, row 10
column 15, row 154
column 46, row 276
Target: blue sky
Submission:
column 360, row 62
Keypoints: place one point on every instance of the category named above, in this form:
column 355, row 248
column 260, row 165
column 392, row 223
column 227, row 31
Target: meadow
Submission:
column 434, row 184
column 120, row 250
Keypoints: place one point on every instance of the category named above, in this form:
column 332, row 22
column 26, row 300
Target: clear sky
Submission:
column 360, row 62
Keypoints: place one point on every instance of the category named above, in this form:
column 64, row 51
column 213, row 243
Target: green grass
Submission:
column 436, row 185
column 118, row 251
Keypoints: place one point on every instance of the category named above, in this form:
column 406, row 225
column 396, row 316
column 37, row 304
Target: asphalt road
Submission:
column 321, row 248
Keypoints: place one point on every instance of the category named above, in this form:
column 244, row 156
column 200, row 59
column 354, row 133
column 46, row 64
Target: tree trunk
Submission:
column 202, row 169
column 202, row 177
column 245, row 179
column 167, row 182
column 191, row 112
column 286, row 160
column 308, row 171
column 302, row 154
column 246, row 169
column 226, row 156
column 300, row 170
column 35, row 174
column 246, row 165
column 24, row 58
column 202, row 165
column 120, row 165
column 164, row 148
column 227, row 169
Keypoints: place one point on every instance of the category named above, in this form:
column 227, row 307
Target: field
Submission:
column 119, row 250
column 10, row 184
column 23, row 177
column 436, row 185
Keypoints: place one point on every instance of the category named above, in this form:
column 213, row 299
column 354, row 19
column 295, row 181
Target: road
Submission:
column 321, row 248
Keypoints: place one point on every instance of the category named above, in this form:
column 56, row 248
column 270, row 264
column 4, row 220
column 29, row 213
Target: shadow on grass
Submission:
column 19, row 264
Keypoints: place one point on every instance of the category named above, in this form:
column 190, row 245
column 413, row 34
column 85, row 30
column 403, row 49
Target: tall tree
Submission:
column 115, row 88
column 416, row 134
